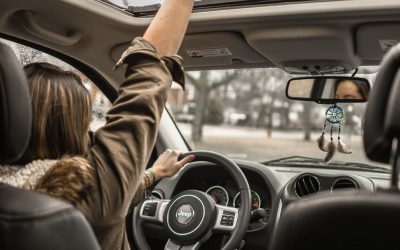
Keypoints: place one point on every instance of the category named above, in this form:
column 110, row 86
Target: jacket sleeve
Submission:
column 121, row 148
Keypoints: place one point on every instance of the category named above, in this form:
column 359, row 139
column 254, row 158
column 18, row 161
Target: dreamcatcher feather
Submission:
column 321, row 140
column 334, row 115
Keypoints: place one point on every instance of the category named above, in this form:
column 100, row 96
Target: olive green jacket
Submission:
column 121, row 149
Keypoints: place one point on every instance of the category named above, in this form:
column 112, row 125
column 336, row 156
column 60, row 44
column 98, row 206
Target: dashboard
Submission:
column 272, row 189
column 221, row 187
column 313, row 183
column 222, row 197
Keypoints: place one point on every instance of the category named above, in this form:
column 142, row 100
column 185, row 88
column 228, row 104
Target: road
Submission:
column 254, row 144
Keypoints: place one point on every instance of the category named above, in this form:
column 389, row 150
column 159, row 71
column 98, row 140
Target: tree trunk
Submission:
column 261, row 117
column 199, row 114
column 287, row 120
column 204, row 86
column 307, row 121
column 270, row 117
column 270, row 122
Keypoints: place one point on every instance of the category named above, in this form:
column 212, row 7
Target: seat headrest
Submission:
column 346, row 220
column 381, row 121
column 15, row 107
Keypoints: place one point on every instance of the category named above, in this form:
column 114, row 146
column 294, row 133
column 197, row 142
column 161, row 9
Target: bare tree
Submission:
column 307, row 120
column 204, row 83
column 267, row 88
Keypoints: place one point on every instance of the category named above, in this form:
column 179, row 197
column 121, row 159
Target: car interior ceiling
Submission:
column 350, row 31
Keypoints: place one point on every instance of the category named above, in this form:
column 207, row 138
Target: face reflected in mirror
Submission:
column 328, row 89
column 350, row 90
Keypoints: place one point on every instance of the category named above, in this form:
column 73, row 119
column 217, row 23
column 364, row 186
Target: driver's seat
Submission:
column 363, row 220
column 29, row 220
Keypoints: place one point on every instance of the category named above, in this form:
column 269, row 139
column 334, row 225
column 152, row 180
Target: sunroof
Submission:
column 150, row 7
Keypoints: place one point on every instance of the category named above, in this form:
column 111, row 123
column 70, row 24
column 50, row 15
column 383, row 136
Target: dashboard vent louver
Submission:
column 306, row 184
column 344, row 184
column 157, row 194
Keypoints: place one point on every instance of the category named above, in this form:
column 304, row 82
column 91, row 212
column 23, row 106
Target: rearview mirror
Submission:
column 329, row 89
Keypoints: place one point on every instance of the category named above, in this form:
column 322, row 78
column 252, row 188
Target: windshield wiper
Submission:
column 294, row 158
column 300, row 161
column 364, row 166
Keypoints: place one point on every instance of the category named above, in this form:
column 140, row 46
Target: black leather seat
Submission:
column 365, row 221
column 30, row 220
column 355, row 221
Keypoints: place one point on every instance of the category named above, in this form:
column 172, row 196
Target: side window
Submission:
column 101, row 104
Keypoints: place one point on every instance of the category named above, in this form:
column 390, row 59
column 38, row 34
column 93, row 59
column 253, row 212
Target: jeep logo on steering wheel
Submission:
column 184, row 214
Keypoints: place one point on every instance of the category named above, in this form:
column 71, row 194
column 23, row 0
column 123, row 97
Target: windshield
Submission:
column 245, row 114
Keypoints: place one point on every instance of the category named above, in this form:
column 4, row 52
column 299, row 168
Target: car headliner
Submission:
column 337, row 33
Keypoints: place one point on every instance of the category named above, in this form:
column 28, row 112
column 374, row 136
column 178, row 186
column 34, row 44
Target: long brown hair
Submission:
column 61, row 112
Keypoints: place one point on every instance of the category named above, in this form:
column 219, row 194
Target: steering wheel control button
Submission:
column 189, row 216
column 228, row 213
column 185, row 214
column 150, row 209
column 227, row 220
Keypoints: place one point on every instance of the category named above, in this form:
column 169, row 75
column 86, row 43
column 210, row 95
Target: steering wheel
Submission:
column 191, row 217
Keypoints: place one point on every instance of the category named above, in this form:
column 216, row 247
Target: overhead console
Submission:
column 306, row 49
column 375, row 39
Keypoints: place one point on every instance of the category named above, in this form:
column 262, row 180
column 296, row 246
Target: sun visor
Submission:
column 374, row 40
column 308, row 49
column 212, row 50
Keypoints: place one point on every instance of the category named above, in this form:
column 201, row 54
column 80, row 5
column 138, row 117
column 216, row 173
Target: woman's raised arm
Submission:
column 168, row 28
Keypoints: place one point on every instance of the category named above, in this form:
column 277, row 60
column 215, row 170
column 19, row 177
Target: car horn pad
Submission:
column 189, row 216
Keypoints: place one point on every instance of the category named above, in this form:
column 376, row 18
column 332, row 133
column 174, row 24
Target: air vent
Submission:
column 306, row 184
column 158, row 194
column 344, row 184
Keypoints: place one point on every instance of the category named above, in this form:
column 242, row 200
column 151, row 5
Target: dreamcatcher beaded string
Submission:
column 334, row 115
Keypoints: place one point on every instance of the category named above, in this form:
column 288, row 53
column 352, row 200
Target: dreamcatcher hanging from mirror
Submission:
column 334, row 117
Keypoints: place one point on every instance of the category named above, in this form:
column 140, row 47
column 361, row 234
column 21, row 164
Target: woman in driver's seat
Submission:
column 101, row 175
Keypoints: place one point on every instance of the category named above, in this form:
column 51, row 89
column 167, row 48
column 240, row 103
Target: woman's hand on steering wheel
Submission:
column 168, row 164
